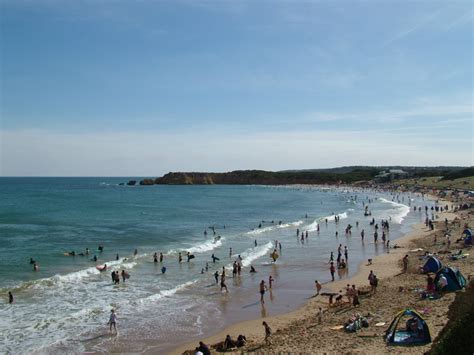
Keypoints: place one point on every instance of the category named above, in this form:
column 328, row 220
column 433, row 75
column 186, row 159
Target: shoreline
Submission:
column 384, row 265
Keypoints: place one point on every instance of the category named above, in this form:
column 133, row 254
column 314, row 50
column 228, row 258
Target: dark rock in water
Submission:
column 147, row 182
column 131, row 183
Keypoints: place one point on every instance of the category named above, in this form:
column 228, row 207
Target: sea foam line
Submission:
column 401, row 210
column 271, row 228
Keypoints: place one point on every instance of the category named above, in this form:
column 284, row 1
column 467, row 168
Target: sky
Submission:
column 142, row 88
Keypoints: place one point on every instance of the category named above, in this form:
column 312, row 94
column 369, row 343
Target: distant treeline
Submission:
column 459, row 174
column 345, row 175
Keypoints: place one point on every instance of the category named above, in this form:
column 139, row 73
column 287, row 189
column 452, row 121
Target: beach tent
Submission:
column 468, row 239
column 432, row 265
column 413, row 331
column 456, row 281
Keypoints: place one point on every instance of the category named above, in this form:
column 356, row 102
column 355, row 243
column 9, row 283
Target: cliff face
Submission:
column 259, row 177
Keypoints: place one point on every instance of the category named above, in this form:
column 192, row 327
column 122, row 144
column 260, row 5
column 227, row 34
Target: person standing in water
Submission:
column 332, row 269
column 216, row 276
column 180, row 258
column 113, row 321
column 161, row 257
column 10, row 297
column 262, row 289
column 270, row 281
column 223, row 285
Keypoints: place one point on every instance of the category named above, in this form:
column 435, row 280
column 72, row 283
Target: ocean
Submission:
column 64, row 307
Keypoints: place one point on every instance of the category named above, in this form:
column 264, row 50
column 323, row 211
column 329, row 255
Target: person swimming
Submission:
column 32, row 261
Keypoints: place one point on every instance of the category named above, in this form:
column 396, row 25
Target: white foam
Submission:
column 273, row 227
column 332, row 217
column 76, row 276
column 313, row 226
column 81, row 274
column 398, row 213
column 207, row 246
column 165, row 293
column 252, row 254
column 260, row 230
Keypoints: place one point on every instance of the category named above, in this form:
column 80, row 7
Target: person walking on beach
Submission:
column 318, row 287
column 262, row 289
column 112, row 321
column 362, row 234
column 10, row 297
column 332, row 268
column 405, row 263
column 268, row 333
column 331, row 258
column 371, row 277
column 346, row 252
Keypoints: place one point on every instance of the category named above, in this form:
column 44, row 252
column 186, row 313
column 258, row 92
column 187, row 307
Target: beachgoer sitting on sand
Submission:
column 241, row 340
column 204, row 349
column 228, row 343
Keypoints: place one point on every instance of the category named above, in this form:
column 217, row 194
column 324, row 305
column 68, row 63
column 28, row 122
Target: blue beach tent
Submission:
column 456, row 281
column 413, row 331
column 432, row 265
column 468, row 239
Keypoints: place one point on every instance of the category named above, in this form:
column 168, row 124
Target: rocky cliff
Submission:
column 260, row 177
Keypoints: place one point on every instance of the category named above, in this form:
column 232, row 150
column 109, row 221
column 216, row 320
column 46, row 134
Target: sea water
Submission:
column 64, row 307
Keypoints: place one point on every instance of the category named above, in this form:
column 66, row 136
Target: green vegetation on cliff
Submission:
column 260, row 177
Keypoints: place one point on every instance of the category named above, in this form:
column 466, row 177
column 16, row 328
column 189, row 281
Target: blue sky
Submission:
column 111, row 87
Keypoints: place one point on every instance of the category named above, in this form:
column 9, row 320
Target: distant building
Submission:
column 389, row 175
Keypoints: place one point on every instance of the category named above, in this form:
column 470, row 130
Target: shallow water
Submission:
column 64, row 307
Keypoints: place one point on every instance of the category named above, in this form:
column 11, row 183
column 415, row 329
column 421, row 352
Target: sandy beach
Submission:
column 300, row 331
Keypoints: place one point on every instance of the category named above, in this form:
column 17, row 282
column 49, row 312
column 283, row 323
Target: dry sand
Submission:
column 300, row 331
